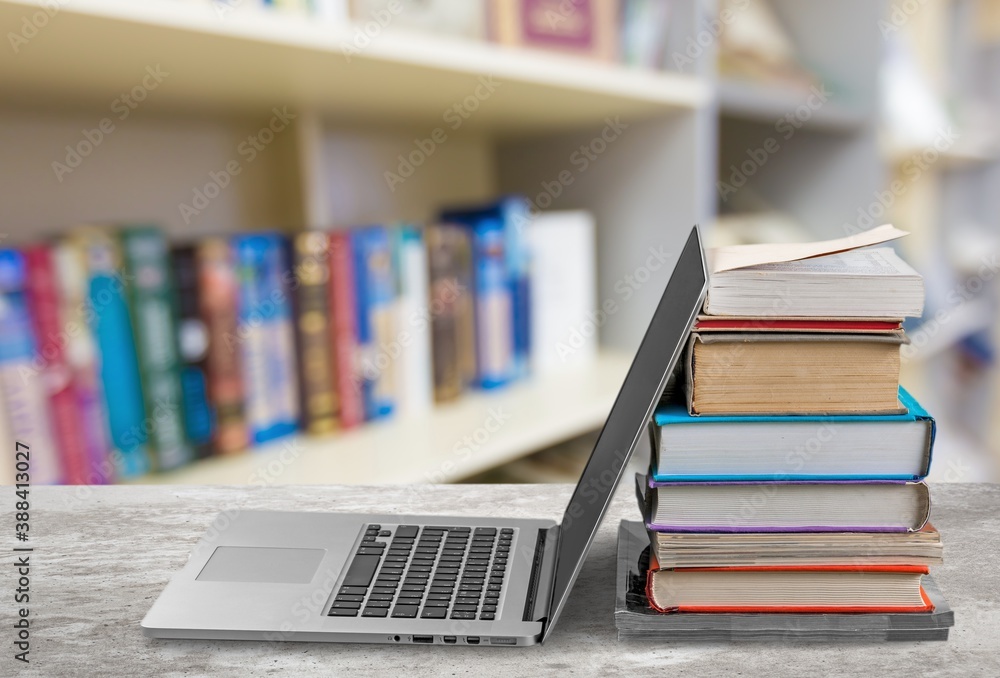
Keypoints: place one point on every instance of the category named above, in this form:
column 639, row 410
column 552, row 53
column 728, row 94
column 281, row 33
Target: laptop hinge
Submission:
column 543, row 569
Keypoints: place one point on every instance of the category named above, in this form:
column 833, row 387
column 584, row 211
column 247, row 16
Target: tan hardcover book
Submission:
column 312, row 271
column 776, row 373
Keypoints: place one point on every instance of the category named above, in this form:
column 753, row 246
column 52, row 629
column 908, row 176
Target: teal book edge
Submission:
column 674, row 415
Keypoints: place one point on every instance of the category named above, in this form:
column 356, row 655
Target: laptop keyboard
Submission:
column 427, row 572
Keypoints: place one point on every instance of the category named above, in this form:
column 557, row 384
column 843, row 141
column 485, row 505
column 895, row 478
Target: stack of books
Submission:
column 790, row 481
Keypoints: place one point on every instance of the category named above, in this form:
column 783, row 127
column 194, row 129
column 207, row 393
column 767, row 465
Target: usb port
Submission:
column 451, row 640
column 423, row 639
column 472, row 640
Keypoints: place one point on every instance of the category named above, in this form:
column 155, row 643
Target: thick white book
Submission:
column 861, row 283
column 564, row 319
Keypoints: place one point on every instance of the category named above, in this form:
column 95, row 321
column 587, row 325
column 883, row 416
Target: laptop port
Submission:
column 472, row 640
column 451, row 640
column 423, row 639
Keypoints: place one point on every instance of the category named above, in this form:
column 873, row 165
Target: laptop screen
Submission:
column 654, row 361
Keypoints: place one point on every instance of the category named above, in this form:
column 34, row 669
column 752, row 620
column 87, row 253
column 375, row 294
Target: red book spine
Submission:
column 343, row 311
column 43, row 302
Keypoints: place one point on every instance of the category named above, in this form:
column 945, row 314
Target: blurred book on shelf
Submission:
column 756, row 47
column 124, row 354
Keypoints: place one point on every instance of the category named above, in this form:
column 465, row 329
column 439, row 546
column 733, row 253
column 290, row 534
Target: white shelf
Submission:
column 770, row 103
column 92, row 51
column 536, row 413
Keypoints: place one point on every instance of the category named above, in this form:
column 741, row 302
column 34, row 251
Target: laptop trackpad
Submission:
column 262, row 565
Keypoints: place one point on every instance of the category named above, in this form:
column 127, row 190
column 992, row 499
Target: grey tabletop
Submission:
column 104, row 554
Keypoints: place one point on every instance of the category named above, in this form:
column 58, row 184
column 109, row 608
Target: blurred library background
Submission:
column 363, row 241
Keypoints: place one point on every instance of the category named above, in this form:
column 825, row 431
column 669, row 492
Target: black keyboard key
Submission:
column 459, row 529
column 384, row 533
column 489, row 608
column 415, row 587
column 463, row 615
column 488, row 616
column 492, row 594
column 503, row 549
column 422, row 576
column 349, row 598
column 377, row 544
column 395, row 559
column 386, row 577
column 440, row 589
column 486, row 530
column 466, row 601
column 375, row 612
column 445, row 577
column 384, row 591
column 434, row 613
column 367, row 538
column 406, row 611
column 507, row 530
column 437, row 595
column 433, row 602
column 391, row 570
column 381, row 596
column 343, row 612
column 353, row 590
column 464, row 608
column 496, row 580
column 361, row 571
column 379, row 603
column 411, row 594
column 407, row 532
column 374, row 527
column 493, row 587
column 347, row 605
column 428, row 557
column 426, row 551
column 451, row 559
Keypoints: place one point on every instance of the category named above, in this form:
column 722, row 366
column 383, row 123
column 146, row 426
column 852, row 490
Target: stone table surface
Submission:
column 104, row 554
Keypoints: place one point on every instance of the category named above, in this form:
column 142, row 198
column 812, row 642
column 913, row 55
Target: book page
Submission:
column 741, row 256
column 882, row 261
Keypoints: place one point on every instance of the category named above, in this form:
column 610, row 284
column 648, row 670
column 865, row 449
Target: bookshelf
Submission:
column 480, row 431
column 353, row 119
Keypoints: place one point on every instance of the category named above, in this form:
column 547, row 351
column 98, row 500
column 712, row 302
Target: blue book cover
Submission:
column 119, row 363
column 265, row 335
column 501, row 288
column 375, row 286
column 821, row 430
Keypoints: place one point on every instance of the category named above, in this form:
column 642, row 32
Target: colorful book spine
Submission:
column 344, row 318
column 108, row 313
column 51, row 365
column 81, row 355
column 444, row 251
column 218, row 303
column 516, row 214
column 416, row 383
column 316, row 368
column 24, row 392
column 493, row 298
column 192, row 343
column 266, row 337
column 151, row 300
column 375, row 286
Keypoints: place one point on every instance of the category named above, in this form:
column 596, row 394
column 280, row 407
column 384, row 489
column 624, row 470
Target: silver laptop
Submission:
column 273, row 575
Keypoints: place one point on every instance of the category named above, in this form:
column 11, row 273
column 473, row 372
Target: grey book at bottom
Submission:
column 637, row 620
